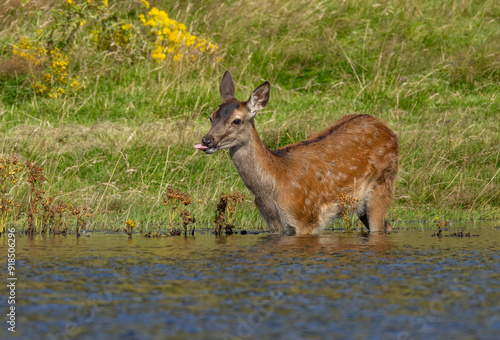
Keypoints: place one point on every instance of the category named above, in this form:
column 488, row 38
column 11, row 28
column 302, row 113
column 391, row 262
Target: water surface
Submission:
column 406, row 285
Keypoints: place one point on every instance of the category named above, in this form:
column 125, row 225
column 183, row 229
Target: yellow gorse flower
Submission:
column 171, row 36
column 122, row 35
column 158, row 54
column 35, row 54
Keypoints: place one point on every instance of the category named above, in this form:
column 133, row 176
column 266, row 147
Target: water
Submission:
column 407, row 285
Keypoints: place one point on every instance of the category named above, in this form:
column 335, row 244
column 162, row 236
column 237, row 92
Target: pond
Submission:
column 407, row 285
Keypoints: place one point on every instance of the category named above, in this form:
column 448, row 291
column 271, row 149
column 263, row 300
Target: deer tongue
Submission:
column 200, row 147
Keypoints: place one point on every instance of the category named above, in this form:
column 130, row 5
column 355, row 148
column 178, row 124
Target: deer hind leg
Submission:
column 373, row 214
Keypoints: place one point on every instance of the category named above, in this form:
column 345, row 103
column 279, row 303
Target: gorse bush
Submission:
column 80, row 24
column 171, row 37
column 54, row 79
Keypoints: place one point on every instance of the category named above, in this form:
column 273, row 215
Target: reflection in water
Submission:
column 325, row 242
column 333, row 285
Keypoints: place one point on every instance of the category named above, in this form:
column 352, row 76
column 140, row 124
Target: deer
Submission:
column 297, row 187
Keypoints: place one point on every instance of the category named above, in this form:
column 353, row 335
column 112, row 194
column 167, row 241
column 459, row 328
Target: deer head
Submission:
column 233, row 120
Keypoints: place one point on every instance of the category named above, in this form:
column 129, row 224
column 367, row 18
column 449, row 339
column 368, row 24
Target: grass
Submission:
column 430, row 69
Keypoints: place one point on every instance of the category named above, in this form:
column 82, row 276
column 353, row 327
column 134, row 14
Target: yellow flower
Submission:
column 145, row 3
column 171, row 37
column 158, row 54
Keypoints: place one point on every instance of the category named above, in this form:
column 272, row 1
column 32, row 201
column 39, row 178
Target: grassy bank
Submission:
column 124, row 133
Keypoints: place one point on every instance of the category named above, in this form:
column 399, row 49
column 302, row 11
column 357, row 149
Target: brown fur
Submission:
column 297, row 187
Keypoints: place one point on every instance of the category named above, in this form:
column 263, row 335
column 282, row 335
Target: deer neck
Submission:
column 254, row 162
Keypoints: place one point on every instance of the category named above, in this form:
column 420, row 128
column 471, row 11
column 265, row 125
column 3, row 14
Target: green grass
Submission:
column 430, row 69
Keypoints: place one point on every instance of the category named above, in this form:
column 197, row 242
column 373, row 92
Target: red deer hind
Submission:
column 297, row 187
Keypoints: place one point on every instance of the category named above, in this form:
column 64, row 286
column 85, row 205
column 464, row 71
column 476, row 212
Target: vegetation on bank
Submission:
column 108, row 97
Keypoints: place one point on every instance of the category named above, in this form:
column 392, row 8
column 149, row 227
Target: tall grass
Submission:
column 430, row 69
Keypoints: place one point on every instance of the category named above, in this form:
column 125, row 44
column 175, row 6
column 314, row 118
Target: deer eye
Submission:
column 237, row 121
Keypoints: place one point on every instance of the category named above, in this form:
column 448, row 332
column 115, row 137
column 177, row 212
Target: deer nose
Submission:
column 207, row 141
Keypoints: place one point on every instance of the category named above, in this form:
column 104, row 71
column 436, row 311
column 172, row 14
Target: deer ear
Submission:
column 226, row 87
column 259, row 98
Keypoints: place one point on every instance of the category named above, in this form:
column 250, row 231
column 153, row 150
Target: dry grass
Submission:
column 107, row 136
